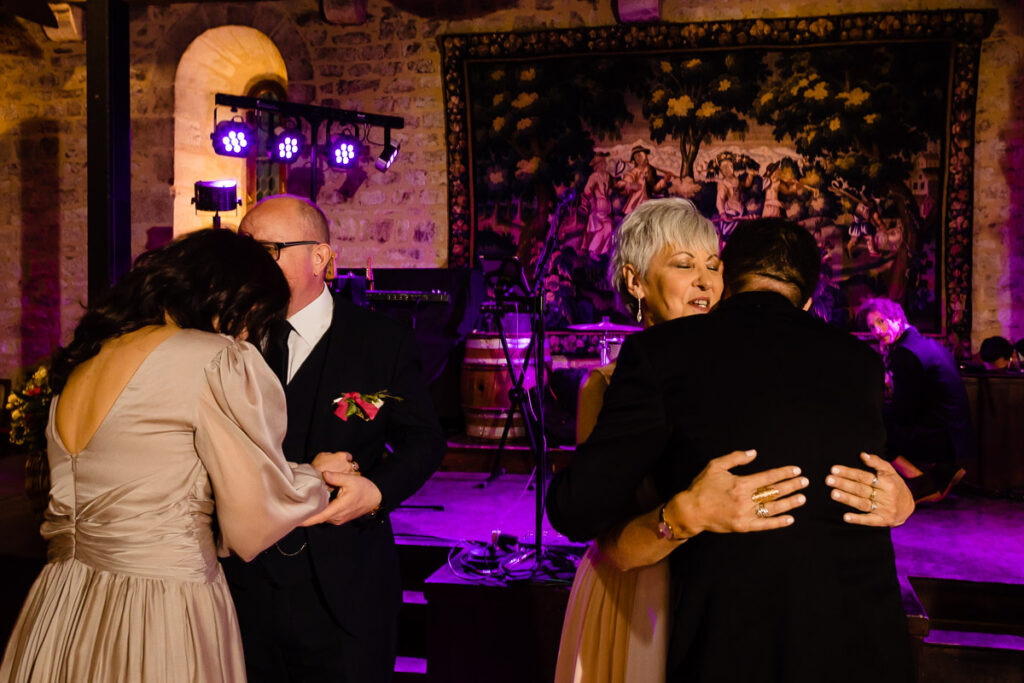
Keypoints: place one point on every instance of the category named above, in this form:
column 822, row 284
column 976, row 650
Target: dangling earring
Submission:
column 639, row 309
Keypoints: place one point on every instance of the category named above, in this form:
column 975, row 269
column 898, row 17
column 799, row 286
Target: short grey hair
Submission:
column 654, row 225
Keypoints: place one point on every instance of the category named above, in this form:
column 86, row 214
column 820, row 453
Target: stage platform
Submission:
column 964, row 537
column 960, row 561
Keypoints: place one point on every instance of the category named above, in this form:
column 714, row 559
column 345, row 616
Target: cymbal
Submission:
column 604, row 326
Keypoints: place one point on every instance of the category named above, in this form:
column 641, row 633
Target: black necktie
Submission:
column 277, row 353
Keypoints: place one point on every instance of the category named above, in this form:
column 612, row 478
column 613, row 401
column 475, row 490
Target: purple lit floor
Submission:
column 968, row 538
column 964, row 537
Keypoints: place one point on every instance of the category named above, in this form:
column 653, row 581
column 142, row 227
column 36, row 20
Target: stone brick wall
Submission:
column 386, row 65
column 42, row 192
column 998, row 281
column 389, row 65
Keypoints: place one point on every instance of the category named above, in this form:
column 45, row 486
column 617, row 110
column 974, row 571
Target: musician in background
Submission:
column 927, row 417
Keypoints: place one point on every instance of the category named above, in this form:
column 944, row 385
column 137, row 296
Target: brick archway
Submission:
column 280, row 27
column 227, row 59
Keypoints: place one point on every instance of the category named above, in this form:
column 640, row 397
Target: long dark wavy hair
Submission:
column 210, row 280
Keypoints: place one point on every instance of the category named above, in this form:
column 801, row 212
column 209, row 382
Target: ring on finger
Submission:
column 874, row 482
column 872, row 497
column 355, row 466
column 765, row 494
column 761, row 511
column 874, row 505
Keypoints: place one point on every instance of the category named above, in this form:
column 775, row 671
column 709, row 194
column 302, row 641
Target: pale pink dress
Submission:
column 616, row 623
column 186, row 463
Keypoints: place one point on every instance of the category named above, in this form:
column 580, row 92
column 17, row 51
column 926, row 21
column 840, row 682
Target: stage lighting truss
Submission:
column 344, row 150
column 286, row 146
column 234, row 138
column 239, row 139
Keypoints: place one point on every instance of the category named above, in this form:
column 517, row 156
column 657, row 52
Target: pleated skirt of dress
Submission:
column 81, row 624
column 616, row 624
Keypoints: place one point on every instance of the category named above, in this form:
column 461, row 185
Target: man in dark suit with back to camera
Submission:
column 322, row 603
column 817, row 600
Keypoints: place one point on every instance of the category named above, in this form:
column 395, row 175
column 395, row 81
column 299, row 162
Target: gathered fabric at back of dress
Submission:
column 136, row 498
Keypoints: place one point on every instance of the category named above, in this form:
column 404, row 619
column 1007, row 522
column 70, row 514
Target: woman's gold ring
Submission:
column 762, row 511
column 765, row 494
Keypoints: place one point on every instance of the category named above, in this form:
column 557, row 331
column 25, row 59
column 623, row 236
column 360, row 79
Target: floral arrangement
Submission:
column 29, row 409
column 362, row 406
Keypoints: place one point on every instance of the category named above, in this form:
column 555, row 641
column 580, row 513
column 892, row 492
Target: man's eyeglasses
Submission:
column 274, row 248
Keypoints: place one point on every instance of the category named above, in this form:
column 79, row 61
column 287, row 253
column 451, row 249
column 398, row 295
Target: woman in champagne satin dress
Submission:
column 165, row 450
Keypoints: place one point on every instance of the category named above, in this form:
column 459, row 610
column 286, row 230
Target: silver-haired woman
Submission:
column 665, row 265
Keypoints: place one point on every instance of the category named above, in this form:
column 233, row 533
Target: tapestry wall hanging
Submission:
column 860, row 128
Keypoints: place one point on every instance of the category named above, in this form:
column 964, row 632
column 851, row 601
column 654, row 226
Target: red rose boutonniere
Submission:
column 363, row 406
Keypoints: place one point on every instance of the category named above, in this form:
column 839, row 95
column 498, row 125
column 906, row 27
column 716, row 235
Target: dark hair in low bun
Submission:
column 210, row 280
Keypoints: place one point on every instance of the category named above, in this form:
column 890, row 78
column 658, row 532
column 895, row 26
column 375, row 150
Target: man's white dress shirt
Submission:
column 308, row 327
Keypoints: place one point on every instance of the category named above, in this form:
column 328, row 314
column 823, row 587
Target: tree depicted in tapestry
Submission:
column 848, row 141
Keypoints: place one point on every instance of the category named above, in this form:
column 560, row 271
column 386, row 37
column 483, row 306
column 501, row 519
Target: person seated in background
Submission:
column 996, row 353
column 927, row 416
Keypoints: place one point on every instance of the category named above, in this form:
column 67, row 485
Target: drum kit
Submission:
column 489, row 375
column 612, row 336
column 506, row 362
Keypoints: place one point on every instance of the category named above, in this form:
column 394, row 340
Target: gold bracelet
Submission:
column 665, row 529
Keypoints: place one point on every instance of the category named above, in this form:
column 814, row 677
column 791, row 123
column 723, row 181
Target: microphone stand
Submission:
column 533, row 415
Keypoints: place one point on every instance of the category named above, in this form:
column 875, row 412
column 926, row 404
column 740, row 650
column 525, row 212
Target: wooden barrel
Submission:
column 485, row 384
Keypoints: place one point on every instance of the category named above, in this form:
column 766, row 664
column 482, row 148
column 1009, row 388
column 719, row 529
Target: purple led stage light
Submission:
column 344, row 151
column 286, row 146
column 233, row 138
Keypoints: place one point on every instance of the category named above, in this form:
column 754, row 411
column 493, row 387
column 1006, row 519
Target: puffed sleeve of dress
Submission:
column 240, row 423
